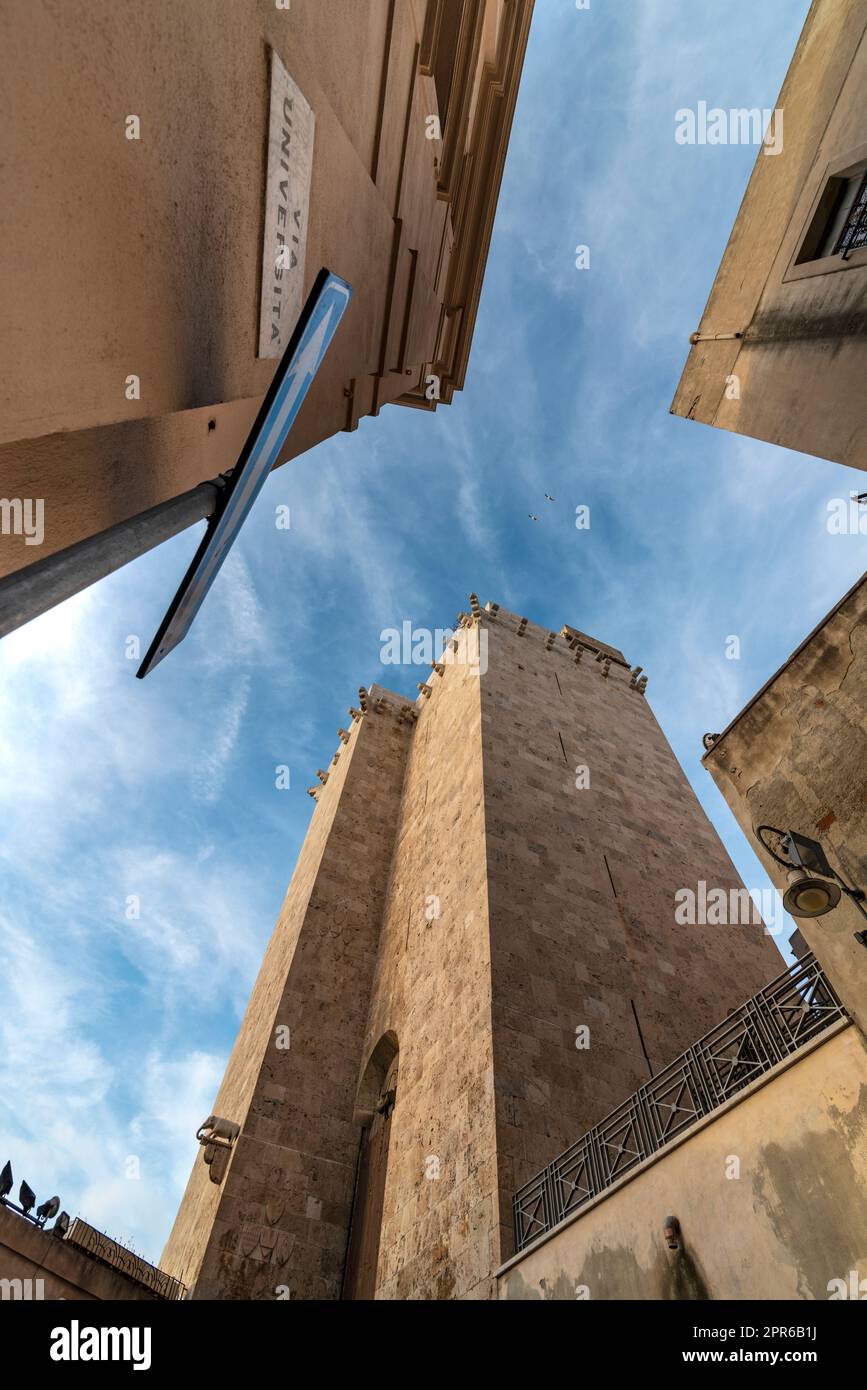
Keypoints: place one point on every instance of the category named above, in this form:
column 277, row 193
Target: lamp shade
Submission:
column 809, row 896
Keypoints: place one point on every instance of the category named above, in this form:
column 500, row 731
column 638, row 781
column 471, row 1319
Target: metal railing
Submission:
column 854, row 233
column 110, row 1252
column 776, row 1022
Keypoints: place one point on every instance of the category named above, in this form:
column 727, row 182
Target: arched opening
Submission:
column 376, row 1097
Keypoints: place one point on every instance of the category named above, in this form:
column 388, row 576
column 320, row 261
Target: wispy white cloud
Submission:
column 209, row 776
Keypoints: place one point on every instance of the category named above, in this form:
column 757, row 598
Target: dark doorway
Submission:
column 359, row 1277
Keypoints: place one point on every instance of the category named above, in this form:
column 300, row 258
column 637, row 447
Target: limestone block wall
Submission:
column 581, row 888
column 463, row 893
column 281, row 1215
column 432, row 989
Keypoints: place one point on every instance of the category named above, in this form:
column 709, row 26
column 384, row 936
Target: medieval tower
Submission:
column 489, row 878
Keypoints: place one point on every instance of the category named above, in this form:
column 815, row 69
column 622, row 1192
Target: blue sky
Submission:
column 115, row 1032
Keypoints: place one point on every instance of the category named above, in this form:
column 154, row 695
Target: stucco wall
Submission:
column 143, row 257
column 802, row 361
column 793, row 1220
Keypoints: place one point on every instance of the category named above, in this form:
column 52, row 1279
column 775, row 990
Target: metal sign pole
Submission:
column 34, row 590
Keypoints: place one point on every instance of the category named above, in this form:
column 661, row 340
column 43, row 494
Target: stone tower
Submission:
column 487, row 871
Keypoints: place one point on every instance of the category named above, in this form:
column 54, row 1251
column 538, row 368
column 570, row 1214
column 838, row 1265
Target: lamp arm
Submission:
column 855, row 894
column 786, row 863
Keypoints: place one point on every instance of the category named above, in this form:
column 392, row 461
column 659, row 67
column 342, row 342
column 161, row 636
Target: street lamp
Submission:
column 814, row 886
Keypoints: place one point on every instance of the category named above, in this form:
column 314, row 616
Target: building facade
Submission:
column 781, row 350
column 135, row 324
column 795, row 758
column 477, row 958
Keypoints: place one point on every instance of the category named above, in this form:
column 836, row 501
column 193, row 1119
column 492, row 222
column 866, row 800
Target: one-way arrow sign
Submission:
column 319, row 320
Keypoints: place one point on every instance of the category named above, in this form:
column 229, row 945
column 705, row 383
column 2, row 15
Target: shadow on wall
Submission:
column 613, row 1272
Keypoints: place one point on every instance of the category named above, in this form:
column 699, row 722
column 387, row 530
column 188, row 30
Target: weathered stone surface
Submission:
column 298, row 1144
column 796, row 758
column 782, row 352
column 460, row 895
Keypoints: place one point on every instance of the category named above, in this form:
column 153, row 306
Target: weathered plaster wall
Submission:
column 793, row 1220
column 153, row 269
column 796, row 758
column 802, row 361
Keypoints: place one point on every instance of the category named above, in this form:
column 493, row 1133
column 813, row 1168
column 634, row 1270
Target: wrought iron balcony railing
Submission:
column 776, row 1022
column 854, row 233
